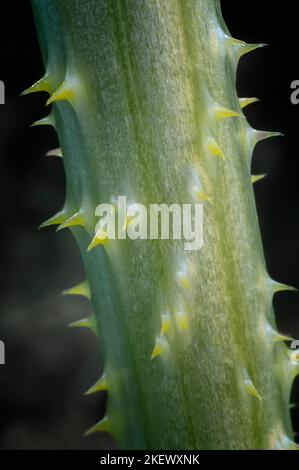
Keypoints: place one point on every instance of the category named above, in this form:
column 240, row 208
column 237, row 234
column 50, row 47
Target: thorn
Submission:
column 276, row 336
column 95, row 242
column 246, row 48
column 256, row 136
column 182, row 321
column 57, row 219
column 279, row 287
column 160, row 347
column 41, row 85
column 54, row 153
column 202, row 196
column 247, row 101
column 256, row 178
column 46, row 121
column 199, row 193
column 183, row 280
column 165, row 323
column 263, row 135
column 84, row 323
column 104, row 425
column 249, row 387
column 242, row 47
column 214, row 148
column 223, row 113
column 80, row 289
column 74, row 221
column 100, row 386
column 66, row 91
column 281, row 337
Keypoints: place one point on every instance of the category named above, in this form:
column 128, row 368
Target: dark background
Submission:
column 48, row 366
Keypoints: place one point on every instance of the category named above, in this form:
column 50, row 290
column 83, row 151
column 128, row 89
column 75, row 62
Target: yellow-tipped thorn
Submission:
column 202, row 196
column 95, row 242
column 160, row 347
column 46, row 121
column 242, row 47
column 84, row 323
column 256, row 178
column 64, row 92
column 250, row 388
column 183, row 280
column 165, row 323
column 280, row 337
column 102, row 426
column 54, row 153
column 246, row 48
column 223, row 113
column 100, row 386
column 280, row 287
column 82, row 289
column 41, row 85
column 214, row 148
column 157, row 351
column 182, row 321
column 57, row 219
column 276, row 336
column 74, row 221
column 247, row 101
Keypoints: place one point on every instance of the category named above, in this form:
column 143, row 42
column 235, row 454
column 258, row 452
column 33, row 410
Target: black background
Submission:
column 47, row 365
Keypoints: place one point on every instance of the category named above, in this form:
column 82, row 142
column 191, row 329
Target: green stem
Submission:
column 147, row 108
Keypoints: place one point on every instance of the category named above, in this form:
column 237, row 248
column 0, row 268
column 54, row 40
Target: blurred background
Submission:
column 49, row 366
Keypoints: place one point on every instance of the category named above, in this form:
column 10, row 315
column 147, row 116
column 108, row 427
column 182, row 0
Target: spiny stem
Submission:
column 144, row 103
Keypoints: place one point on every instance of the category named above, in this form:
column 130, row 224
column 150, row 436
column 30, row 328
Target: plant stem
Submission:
column 145, row 106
